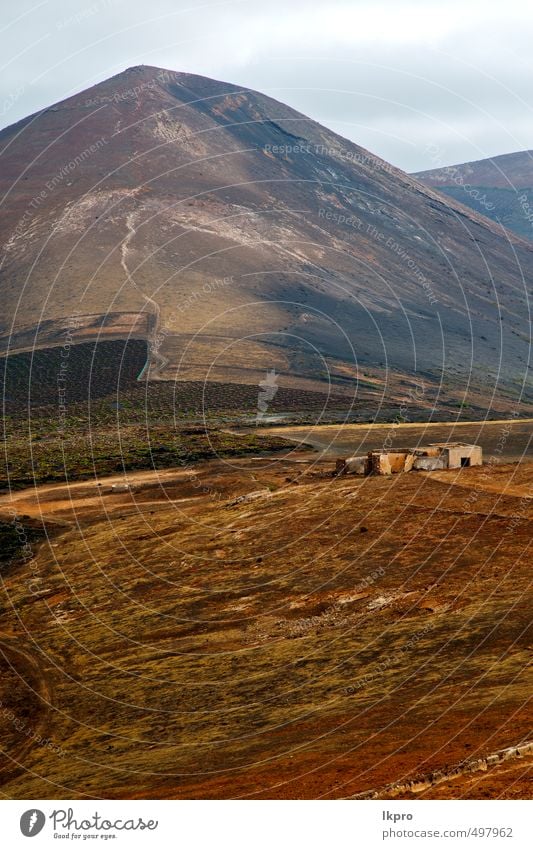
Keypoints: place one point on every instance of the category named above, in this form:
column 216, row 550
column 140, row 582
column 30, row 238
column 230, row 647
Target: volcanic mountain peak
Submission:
column 239, row 236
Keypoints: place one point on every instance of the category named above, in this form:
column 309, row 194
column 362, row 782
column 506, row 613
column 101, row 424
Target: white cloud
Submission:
column 389, row 74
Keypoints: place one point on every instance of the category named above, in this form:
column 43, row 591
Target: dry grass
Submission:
column 204, row 646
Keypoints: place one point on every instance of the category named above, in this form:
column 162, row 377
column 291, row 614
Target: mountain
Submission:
column 242, row 239
column 500, row 188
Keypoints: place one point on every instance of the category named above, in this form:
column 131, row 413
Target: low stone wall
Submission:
column 429, row 464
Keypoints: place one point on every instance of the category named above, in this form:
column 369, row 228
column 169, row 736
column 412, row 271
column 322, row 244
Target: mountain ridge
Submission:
column 500, row 187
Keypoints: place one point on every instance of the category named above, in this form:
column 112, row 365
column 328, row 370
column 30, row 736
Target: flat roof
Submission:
column 453, row 445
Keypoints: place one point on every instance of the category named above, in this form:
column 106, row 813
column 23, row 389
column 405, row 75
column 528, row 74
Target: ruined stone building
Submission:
column 437, row 455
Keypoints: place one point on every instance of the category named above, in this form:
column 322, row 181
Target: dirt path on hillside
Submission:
column 115, row 492
column 48, row 499
column 120, row 491
column 392, row 425
column 503, row 441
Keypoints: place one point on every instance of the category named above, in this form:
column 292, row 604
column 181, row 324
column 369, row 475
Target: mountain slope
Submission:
column 501, row 188
column 240, row 237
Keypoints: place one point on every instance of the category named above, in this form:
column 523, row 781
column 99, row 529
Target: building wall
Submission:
column 352, row 466
column 427, row 451
column 429, row 464
column 381, row 464
column 409, row 462
column 426, row 458
column 397, row 461
column 454, row 455
column 389, row 463
column 356, row 465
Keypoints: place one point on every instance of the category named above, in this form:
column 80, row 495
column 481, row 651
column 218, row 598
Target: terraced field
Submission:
column 100, row 380
column 78, row 411
column 81, row 372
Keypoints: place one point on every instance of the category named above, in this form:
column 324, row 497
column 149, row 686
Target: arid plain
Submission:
column 255, row 627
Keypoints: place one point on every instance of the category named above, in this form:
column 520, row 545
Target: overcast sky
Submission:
column 422, row 83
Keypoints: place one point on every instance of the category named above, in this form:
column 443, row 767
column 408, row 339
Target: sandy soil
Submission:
column 261, row 629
